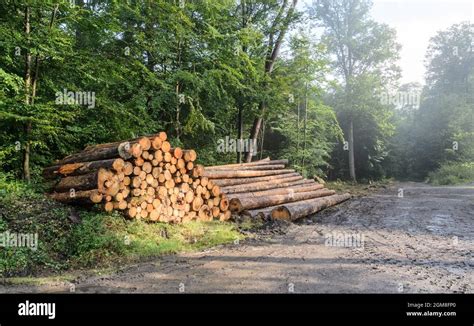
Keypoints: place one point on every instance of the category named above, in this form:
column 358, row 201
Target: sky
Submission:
column 416, row 21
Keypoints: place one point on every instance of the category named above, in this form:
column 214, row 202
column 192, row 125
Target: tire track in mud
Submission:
column 430, row 241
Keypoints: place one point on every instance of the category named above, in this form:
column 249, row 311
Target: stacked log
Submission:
column 148, row 179
column 267, row 188
column 144, row 177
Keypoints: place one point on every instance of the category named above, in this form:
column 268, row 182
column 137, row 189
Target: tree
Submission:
column 360, row 47
column 34, row 45
column 301, row 128
column 284, row 16
column 444, row 124
column 402, row 150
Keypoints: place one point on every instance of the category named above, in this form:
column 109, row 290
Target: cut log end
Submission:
column 281, row 213
column 235, row 205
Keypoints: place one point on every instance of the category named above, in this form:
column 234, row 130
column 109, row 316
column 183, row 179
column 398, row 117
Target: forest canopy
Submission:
column 318, row 85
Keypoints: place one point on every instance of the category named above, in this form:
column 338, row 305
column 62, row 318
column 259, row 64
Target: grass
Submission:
column 101, row 240
column 452, row 173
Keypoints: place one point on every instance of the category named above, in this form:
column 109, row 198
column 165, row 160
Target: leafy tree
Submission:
column 364, row 53
column 280, row 15
column 444, row 124
column 305, row 129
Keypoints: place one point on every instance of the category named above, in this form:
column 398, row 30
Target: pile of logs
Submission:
column 144, row 177
column 267, row 188
column 148, row 179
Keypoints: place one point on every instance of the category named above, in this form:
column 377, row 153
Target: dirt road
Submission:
column 407, row 238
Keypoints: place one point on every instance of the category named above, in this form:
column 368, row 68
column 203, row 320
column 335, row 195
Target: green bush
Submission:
column 452, row 173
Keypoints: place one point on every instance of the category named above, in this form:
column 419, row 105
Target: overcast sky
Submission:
column 416, row 21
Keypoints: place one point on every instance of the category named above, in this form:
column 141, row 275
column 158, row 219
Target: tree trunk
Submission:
column 255, row 163
column 252, row 167
column 294, row 211
column 93, row 180
column 257, row 124
column 238, row 205
column 265, row 185
column 104, row 153
column 178, row 111
column 141, row 140
column 30, row 89
column 218, row 174
column 351, row 152
column 240, row 127
column 298, row 130
column 297, row 187
column 82, row 168
column 270, row 59
column 305, row 124
column 87, row 196
column 241, row 181
column 27, row 79
column 240, row 120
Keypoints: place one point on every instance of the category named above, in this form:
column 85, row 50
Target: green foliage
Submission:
column 363, row 54
column 153, row 66
column 452, row 173
column 440, row 133
column 305, row 129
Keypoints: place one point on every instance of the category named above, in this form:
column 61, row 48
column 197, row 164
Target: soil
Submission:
column 421, row 242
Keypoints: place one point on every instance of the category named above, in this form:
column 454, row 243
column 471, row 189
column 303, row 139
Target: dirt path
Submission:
column 421, row 242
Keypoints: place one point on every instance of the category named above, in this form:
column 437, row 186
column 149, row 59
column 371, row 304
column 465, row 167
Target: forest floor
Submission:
column 419, row 243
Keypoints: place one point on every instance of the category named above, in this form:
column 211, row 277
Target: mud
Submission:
column 382, row 243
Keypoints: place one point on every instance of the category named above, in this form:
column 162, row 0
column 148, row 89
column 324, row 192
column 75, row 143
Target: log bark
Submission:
column 124, row 151
column 251, row 167
column 116, row 164
column 160, row 183
column 305, row 187
column 242, row 174
column 94, row 180
column 88, row 196
column 294, row 211
column 117, row 143
column 266, row 161
column 241, row 181
column 246, row 203
column 266, row 185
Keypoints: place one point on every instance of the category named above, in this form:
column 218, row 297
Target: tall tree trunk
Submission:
column 240, row 119
column 298, row 129
column 178, row 109
column 257, row 125
column 271, row 57
column 31, row 84
column 178, row 90
column 262, row 140
column 240, row 130
column 351, row 151
column 305, row 122
column 27, row 128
